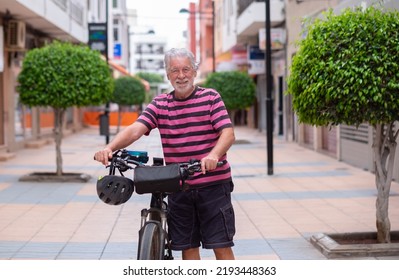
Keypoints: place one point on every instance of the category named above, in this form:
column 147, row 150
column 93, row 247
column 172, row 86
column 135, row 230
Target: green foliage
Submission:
column 128, row 91
column 236, row 88
column 62, row 75
column 347, row 69
column 152, row 78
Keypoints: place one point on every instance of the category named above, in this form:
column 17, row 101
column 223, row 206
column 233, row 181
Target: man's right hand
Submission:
column 103, row 156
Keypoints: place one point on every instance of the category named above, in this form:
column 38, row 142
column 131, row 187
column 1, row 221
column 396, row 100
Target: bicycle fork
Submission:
column 155, row 215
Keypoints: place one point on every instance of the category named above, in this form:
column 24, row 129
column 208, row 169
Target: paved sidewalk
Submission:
column 309, row 193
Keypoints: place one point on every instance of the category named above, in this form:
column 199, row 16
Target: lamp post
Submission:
column 105, row 116
column 269, row 100
column 213, row 37
column 212, row 14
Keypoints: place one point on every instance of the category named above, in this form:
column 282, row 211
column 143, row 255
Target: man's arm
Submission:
column 123, row 139
column 226, row 139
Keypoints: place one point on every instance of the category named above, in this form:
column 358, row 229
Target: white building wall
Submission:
column 118, row 14
column 229, row 25
column 96, row 11
column 38, row 21
column 61, row 20
column 147, row 53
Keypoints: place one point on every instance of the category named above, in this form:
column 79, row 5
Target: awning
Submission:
column 226, row 56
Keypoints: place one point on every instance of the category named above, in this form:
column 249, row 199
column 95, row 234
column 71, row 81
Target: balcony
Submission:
column 60, row 19
column 252, row 16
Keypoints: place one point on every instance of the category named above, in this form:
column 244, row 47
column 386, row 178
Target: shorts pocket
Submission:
column 229, row 220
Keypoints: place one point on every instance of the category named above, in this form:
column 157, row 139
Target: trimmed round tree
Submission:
column 237, row 89
column 154, row 79
column 346, row 71
column 128, row 91
column 62, row 75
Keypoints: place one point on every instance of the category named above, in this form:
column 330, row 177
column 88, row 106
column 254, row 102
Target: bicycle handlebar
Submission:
column 124, row 160
column 157, row 181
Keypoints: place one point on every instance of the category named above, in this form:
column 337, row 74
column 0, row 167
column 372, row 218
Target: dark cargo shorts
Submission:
column 202, row 216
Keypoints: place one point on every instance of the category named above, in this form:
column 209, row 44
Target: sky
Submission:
column 164, row 17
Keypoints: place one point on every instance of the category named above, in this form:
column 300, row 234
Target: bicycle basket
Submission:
column 151, row 179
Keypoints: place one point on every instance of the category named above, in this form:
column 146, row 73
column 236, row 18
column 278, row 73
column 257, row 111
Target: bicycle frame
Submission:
column 156, row 215
column 154, row 241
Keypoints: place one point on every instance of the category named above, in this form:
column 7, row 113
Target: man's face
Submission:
column 181, row 75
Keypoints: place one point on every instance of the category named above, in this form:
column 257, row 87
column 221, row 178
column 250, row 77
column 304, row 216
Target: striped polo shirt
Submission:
column 189, row 129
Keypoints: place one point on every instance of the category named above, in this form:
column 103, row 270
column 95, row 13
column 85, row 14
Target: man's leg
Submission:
column 224, row 253
column 191, row 254
column 217, row 219
column 183, row 225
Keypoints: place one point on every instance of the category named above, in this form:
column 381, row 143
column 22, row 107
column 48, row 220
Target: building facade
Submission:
column 146, row 52
column 346, row 143
column 25, row 25
column 28, row 24
column 239, row 36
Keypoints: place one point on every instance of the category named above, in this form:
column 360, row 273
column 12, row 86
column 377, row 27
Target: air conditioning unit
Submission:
column 16, row 34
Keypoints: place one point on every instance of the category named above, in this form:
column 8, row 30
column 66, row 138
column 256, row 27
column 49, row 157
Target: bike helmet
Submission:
column 114, row 190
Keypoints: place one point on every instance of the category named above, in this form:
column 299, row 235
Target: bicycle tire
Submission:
column 151, row 242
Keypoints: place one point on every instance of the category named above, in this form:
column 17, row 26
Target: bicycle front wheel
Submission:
column 151, row 242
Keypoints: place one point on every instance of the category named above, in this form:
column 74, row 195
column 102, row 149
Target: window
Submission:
column 62, row 4
column 116, row 29
column 77, row 12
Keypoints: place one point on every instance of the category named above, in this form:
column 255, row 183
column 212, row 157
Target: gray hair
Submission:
column 174, row 52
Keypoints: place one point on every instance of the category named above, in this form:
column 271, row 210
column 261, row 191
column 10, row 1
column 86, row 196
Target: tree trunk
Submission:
column 384, row 148
column 58, row 121
column 119, row 119
column 232, row 114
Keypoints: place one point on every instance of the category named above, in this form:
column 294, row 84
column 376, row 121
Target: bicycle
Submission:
column 157, row 179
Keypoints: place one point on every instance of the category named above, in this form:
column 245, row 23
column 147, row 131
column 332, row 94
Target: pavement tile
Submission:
column 276, row 215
